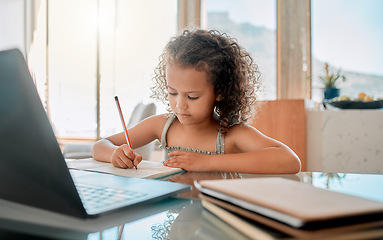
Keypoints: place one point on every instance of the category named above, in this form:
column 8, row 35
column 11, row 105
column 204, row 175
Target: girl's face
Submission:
column 191, row 95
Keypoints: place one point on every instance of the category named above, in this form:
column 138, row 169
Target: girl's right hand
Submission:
column 124, row 157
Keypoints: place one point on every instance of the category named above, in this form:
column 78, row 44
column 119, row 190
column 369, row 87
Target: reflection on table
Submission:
column 191, row 177
column 183, row 217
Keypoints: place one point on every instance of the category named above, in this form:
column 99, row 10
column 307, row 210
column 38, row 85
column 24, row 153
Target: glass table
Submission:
column 180, row 217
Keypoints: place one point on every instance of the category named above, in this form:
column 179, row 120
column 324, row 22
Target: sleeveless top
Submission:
column 219, row 146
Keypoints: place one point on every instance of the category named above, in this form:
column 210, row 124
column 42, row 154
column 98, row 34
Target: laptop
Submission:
column 33, row 170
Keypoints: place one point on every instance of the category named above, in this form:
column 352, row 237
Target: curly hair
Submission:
column 230, row 68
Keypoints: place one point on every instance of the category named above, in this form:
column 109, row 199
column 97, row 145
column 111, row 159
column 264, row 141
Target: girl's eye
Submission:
column 173, row 94
column 193, row 98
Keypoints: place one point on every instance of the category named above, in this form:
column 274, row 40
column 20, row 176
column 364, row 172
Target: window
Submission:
column 115, row 43
column 72, row 48
column 125, row 38
column 11, row 25
column 253, row 24
column 348, row 34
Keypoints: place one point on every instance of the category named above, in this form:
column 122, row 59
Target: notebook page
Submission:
column 146, row 169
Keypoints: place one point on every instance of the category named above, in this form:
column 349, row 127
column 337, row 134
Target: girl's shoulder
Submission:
column 244, row 138
column 158, row 119
column 241, row 129
column 154, row 124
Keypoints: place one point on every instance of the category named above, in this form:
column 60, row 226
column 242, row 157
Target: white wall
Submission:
column 12, row 24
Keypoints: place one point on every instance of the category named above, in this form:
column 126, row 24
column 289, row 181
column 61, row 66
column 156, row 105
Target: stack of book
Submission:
column 272, row 207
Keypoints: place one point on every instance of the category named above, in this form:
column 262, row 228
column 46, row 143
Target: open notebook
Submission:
column 146, row 169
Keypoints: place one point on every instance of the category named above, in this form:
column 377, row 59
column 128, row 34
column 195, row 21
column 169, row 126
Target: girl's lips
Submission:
column 183, row 115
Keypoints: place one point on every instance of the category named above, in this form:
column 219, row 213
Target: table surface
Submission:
column 180, row 217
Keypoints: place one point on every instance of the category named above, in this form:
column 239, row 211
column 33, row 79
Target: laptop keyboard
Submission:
column 95, row 197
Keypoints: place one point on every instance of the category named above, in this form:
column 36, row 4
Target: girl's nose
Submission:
column 181, row 103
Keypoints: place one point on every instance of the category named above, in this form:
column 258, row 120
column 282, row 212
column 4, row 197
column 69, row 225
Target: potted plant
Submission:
column 329, row 81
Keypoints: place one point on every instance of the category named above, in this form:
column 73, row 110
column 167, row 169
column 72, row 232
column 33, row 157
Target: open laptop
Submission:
column 32, row 168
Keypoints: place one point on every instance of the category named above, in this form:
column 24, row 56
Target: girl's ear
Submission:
column 219, row 98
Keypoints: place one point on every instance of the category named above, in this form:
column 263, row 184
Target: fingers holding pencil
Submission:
column 134, row 157
column 125, row 157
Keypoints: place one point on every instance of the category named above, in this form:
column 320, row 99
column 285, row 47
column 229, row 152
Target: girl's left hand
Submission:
column 188, row 160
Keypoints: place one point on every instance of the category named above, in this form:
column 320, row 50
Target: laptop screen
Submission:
column 32, row 168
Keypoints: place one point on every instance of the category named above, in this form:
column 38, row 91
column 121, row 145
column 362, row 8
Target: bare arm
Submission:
column 273, row 160
column 114, row 148
column 249, row 152
column 103, row 149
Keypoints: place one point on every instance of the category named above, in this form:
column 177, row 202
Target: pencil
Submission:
column 123, row 124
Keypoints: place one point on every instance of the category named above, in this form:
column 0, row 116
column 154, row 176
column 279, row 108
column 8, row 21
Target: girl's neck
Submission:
column 203, row 126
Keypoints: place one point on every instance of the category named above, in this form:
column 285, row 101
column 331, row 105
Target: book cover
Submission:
column 254, row 230
column 293, row 207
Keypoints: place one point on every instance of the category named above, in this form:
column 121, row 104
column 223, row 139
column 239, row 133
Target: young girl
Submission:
column 208, row 82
